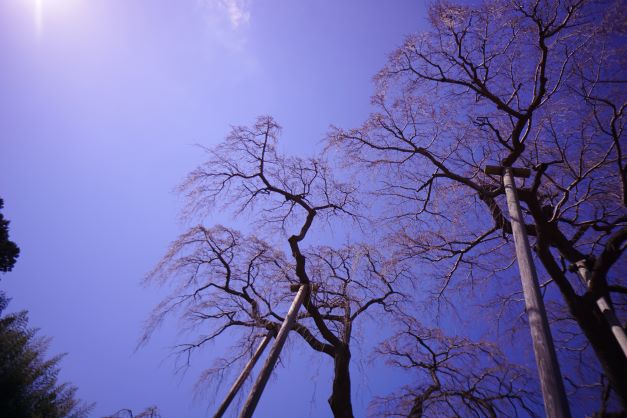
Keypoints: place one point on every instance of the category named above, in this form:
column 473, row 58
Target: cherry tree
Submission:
column 225, row 280
column 531, row 84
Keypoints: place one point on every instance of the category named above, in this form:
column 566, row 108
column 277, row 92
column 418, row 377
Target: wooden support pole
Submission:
column 555, row 401
column 244, row 374
column 605, row 308
column 273, row 356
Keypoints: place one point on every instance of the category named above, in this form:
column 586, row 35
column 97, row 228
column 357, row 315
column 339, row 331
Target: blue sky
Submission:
column 101, row 104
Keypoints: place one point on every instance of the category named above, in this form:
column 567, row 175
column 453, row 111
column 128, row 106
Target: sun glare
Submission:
column 39, row 17
column 43, row 9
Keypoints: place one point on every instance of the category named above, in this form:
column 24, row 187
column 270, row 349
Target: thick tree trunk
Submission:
column 340, row 400
column 604, row 344
column 594, row 326
column 416, row 408
column 583, row 308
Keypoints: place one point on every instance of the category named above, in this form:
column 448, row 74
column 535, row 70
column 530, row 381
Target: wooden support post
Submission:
column 555, row 401
column 273, row 356
column 605, row 308
column 244, row 374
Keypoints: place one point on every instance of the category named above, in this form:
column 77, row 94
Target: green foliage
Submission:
column 28, row 381
column 9, row 251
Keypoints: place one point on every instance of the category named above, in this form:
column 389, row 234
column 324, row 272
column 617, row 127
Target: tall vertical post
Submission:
column 605, row 308
column 273, row 356
column 555, row 401
column 243, row 375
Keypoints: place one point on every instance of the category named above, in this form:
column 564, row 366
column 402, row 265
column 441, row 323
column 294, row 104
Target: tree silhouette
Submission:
column 241, row 281
column 9, row 251
column 150, row 412
column 28, row 381
column 453, row 377
column 535, row 84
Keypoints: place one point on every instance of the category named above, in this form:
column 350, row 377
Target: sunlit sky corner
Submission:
column 102, row 102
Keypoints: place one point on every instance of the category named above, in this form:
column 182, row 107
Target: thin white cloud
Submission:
column 227, row 24
column 237, row 12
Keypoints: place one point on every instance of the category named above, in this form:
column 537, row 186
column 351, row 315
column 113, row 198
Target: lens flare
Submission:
column 39, row 17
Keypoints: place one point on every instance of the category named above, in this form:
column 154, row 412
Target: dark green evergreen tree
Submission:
column 28, row 381
column 9, row 251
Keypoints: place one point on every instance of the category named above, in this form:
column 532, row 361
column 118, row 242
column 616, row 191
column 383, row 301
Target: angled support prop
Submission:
column 605, row 308
column 273, row 356
column 244, row 374
column 553, row 393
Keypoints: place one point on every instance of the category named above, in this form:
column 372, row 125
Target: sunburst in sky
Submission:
column 100, row 102
column 39, row 17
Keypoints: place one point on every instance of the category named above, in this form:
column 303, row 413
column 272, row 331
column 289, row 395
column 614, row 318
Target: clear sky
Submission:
column 101, row 102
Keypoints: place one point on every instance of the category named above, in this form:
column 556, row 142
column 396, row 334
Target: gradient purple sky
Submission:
column 101, row 102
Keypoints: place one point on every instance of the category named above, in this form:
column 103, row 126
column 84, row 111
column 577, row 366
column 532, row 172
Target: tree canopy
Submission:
column 526, row 84
column 533, row 84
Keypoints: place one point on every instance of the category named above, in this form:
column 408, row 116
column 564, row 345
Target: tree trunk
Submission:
column 340, row 399
column 583, row 308
column 594, row 326
column 604, row 344
column 416, row 408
